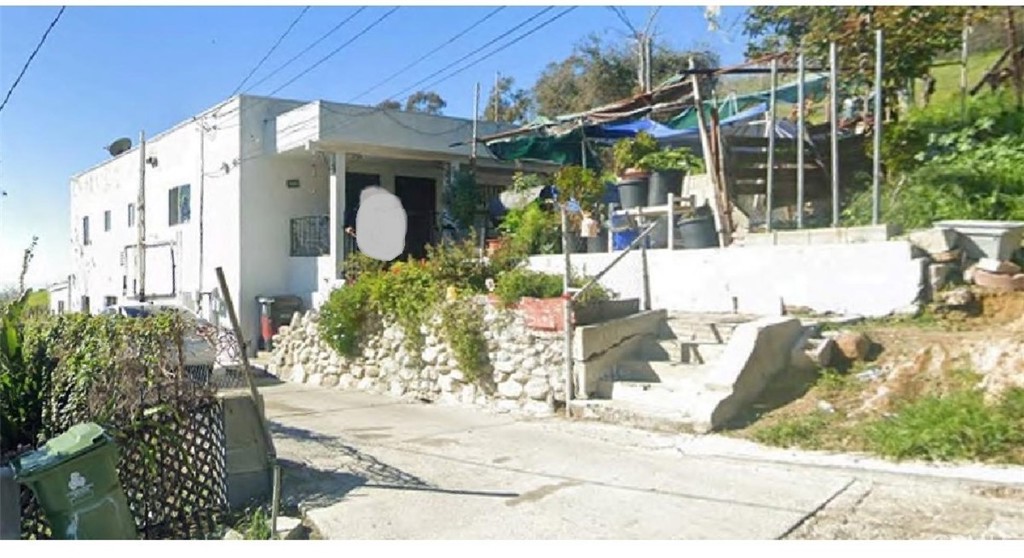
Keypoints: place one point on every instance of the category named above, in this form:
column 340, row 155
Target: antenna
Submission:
column 119, row 146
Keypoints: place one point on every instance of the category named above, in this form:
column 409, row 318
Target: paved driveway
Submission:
column 372, row 467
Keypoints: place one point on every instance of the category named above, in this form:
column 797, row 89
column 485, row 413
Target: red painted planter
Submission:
column 543, row 313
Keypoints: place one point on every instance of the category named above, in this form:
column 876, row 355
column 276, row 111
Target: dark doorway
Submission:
column 419, row 197
column 354, row 184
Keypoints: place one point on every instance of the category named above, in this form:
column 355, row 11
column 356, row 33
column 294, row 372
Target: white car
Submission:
column 200, row 339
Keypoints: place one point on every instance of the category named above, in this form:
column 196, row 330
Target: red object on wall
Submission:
column 543, row 313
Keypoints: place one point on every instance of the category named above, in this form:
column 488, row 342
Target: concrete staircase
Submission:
column 669, row 378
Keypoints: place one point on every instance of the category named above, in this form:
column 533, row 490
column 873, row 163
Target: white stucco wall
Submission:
column 98, row 270
column 870, row 279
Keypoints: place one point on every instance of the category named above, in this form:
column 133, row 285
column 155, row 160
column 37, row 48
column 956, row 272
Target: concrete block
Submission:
column 757, row 352
column 939, row 275
column 248, row 466
column 934, row 241
column 598, row 338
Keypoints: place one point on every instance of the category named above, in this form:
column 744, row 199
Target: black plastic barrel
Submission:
column 633, row 192
column 662, row 183
column 698, row 232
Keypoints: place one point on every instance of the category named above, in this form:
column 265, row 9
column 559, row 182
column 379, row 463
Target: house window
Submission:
column 85, row 231
column 292, row 183
column 109, row 301
column 85, row 304
column 106, row 221
column 311, row 236
column 131, row 215
column 60, row 306
column 179, row 209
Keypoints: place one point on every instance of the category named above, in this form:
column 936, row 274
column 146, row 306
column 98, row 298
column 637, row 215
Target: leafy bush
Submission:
column 533, row 229
column 359, row 263
column 628, row 152
column 343, row 314
column 672, row 159
column 580, row 184
column 955, row 427
column 406, row 293
column 462, row 324
column 463, row 198
column 519, row 283
column 458, row 264
column 942, row 169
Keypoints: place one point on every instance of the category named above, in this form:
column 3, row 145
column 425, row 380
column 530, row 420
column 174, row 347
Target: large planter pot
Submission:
column 698, row 232
column 543, row 313
column 547, row 314
column 663, row 183
column 633, row 190
column 605, row 310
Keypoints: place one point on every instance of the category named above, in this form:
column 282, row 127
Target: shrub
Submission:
column 519, row 283
column 458, row 264
column 343, row 314
column 462, row 324
column 406, row 293
column 672, row 159
column 628, row 152
column 533, row 229
column 801, row 431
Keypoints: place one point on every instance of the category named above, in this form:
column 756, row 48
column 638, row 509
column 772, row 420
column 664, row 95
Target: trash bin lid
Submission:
column 77, row 440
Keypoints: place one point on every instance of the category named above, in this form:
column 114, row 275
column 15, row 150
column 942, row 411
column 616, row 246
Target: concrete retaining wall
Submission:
column 870, row 279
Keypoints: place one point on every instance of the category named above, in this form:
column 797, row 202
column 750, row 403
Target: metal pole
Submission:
column 963, row 74
column 140, row 216
column 833, row 103
column 671, row 221
column 644, row 276
column 567, row 311
column 202, row 192
column 876, row 187
column 770, row 180
column 476, row 117
column 800, row 142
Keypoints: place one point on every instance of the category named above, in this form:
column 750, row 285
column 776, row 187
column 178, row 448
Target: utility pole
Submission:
column 497, row 97
column 140, row 215
column 476, row 117
column 202, row 192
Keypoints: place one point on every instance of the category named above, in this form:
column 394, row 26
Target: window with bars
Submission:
column 311, row 236
column 85, row 231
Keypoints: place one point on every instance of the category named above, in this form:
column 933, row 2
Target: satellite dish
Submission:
column 120, row 146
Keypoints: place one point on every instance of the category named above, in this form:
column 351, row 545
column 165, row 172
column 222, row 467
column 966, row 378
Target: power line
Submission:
column 489, row 43
column 503, row 47
column 622, row 17
column 427, row 55
column 271, row 51
column 309, row 48
column 337, row 50
column 31, row 56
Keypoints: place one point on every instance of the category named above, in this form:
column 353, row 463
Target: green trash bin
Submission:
column 74, row 478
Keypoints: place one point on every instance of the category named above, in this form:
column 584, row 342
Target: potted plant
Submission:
column 627, row 154
column 667, row 168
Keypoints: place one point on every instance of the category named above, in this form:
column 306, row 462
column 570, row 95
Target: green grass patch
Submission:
column 805, row 431
column 960, row 426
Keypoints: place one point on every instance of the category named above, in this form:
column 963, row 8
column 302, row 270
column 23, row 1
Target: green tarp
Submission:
column 815, row 88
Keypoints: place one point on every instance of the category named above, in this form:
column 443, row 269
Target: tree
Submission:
column 506, row 105
column 597, row 73
column 389, row 105
column 425, row 101
column 914, row 36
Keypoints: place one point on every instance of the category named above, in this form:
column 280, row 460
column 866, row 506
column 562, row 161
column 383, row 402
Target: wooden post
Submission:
column 645, row 276
column 709, row 159
column 1017, row 57
column 770, row 179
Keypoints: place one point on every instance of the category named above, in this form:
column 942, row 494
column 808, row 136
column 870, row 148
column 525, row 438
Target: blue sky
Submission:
column 108, row 72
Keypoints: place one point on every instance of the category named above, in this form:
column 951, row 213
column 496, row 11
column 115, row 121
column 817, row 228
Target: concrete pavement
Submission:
column 364, row 466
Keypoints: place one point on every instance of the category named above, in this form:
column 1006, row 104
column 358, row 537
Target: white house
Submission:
column 259, row 187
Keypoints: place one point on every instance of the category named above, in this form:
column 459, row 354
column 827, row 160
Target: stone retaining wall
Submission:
column 525, row 368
